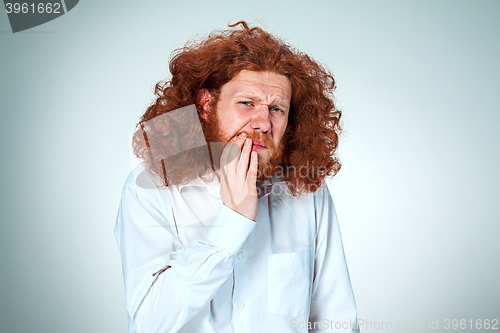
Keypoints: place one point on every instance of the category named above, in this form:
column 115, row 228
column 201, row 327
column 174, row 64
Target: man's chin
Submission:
column 264, row 157
column 266, row 169
column 269, row 163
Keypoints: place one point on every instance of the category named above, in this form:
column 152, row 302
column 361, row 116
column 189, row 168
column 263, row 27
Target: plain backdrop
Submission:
column 417, row 196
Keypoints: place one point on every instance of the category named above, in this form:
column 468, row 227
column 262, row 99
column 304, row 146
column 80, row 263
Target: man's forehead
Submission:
column 254, row 84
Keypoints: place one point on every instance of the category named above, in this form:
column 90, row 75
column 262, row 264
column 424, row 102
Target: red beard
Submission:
column 217, row 142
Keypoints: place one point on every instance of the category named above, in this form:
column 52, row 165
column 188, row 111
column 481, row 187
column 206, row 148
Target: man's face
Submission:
column 257, row 103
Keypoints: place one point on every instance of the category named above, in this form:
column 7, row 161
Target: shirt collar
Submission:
column 213, row 186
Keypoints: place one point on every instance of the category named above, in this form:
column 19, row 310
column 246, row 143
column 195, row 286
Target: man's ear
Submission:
column 203, row 99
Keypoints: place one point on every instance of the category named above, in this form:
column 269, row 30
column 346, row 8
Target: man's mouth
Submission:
column 258, row 145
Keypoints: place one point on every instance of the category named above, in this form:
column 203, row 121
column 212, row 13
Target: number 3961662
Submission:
column 24, row 8
column 486, row 324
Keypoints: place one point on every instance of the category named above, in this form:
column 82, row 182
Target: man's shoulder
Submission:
column 142, row 178
column 143, row 184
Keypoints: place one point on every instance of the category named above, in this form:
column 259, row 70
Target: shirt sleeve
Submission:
column 167, row 283
column 332, row 301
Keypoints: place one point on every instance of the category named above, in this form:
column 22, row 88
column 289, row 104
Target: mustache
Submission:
column 260, row 137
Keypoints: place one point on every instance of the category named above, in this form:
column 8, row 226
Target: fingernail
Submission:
column 247, row 142
column 242, row 135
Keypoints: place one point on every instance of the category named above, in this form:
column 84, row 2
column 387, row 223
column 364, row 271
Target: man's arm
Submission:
column 167, row 283
column 332, row 297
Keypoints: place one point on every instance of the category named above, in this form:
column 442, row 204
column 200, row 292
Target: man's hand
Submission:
column 238, row 180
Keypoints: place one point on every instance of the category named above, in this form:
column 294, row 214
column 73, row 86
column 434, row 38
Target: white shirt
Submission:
column 191, row 264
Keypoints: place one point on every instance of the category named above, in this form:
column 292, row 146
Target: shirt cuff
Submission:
column 229, row 230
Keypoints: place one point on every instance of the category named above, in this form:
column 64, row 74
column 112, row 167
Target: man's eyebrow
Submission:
column 247, row 96
column 280, row 101
column 276, row 100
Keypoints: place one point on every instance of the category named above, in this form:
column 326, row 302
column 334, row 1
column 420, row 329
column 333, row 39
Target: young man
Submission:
column 227, row 225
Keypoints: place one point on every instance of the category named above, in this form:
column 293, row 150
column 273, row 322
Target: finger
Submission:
column 226, row 156
column 252, row 171
column 244, row 158
column 234, row 152
column 227, row 188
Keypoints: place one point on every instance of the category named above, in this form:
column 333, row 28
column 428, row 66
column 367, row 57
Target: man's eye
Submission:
column 246, row 103
column 276, row 109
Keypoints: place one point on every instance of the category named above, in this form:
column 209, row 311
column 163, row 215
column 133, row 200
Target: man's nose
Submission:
column 260, row 120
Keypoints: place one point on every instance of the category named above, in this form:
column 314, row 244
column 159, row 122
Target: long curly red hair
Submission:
column 313, row 130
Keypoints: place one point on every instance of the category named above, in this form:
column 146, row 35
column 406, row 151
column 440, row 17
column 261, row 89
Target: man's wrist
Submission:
column 229, row 230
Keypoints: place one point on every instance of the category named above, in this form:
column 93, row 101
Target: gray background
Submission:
column 417, row 196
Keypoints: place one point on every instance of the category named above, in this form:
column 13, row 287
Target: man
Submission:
column 240, row 236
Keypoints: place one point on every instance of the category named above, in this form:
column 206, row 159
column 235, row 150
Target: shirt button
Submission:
column 240, row 255
column 241, row 305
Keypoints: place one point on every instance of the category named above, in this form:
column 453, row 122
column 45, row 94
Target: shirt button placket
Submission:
column 239, row 307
